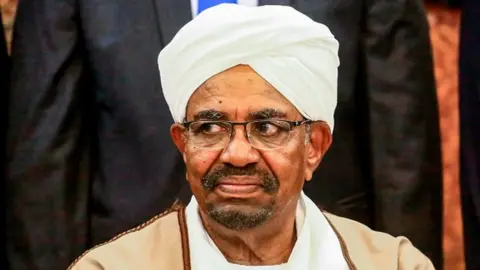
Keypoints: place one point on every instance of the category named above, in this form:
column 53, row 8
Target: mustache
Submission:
column 269, row 182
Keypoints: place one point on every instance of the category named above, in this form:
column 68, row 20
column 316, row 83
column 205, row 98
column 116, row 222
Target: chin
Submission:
column 239, row 216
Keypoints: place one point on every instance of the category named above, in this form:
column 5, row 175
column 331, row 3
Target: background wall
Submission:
column 444, row 24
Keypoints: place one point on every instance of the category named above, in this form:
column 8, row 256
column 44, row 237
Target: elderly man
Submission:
column 254, row 115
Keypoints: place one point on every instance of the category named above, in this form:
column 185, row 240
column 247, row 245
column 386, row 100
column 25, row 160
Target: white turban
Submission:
column 296, row 55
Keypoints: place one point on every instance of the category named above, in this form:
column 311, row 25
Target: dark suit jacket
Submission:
column 470, row 130
column 89, row 149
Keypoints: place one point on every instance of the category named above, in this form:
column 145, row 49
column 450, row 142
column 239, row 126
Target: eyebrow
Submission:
column 267, row 113
column 211, row 115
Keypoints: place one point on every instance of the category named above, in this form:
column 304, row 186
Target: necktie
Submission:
column 205, row 4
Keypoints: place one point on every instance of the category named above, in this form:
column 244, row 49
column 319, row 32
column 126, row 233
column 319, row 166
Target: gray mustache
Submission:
column 269, row 182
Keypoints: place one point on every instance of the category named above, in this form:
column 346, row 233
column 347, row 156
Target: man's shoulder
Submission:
column 360, row 242
column 353, row 230
column 155, row 242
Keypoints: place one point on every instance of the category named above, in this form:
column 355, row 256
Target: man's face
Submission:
column 240, row 186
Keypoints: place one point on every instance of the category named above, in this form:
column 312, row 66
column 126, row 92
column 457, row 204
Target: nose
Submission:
column 239, row 152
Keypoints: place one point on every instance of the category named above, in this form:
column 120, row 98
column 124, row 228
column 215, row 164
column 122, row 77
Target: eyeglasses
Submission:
column 262, row 134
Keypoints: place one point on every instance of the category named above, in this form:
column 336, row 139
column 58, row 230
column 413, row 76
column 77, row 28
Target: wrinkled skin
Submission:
column 245, row 224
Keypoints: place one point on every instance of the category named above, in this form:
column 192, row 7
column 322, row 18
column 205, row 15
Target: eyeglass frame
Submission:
column 292, row 124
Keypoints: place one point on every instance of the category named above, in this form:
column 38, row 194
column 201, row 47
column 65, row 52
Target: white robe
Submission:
column 317, row 246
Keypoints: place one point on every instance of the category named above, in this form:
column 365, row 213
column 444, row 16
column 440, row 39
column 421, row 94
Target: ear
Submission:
column 177, row 132
column 320, row 141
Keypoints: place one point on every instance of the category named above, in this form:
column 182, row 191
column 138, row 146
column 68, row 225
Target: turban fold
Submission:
column 296, row 55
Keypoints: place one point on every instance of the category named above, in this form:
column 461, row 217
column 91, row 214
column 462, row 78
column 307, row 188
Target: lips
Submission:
column 238, row 189
column 239, row 185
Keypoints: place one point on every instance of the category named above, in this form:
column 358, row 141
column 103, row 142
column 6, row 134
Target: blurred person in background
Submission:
column 89, row 129
column 387, row 137
column 470, row 130
column 4, row 81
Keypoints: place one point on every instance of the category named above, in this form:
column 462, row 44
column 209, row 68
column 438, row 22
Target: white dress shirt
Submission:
column 317, row 246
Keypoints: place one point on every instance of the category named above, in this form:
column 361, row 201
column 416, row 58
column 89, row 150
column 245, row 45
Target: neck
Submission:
column 269, row 244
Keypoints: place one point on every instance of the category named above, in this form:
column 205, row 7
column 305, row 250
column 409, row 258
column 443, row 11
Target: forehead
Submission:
column 238, row 90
